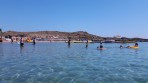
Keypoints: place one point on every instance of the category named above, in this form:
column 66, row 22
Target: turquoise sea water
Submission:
column 58, row 63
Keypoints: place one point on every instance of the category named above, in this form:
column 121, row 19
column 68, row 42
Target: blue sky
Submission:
column 100, row 17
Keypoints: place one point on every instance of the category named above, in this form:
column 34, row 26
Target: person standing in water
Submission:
column 69, row 39
column 87, row 43
column 101, row 46
column 21, row 42
column 11, row 40
column 33, row 41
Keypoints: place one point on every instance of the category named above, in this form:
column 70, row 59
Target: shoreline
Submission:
column 65, row 42
column 36, row 42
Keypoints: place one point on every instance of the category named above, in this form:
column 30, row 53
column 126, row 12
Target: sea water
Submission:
column 59, row 63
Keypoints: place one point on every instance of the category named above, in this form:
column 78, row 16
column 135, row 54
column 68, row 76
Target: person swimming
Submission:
column 127, row 46
column 136, row 44
column 101, row 46
column 121, row 46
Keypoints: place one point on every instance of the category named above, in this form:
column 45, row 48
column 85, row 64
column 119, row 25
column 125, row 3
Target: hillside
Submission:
column 79, row 35
column 54, row 34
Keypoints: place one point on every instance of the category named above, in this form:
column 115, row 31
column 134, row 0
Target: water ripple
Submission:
column 57, row 63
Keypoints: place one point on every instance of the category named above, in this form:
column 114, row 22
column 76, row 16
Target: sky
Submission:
column 107, row 18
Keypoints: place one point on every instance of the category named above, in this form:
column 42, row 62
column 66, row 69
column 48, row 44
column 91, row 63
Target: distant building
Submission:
column 117, row 36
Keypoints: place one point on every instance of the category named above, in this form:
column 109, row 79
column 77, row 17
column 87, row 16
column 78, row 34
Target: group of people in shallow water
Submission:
column 136, row 45
column 102, row 48
column 101, row 45
column 21, row 41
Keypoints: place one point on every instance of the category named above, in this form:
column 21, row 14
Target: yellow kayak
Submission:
column 29, row 41
column 134, row 47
